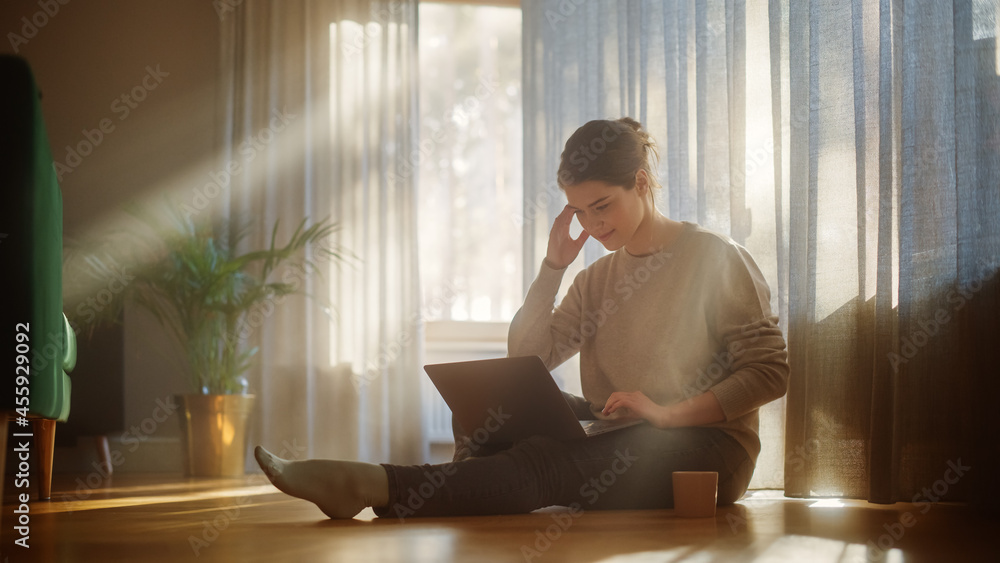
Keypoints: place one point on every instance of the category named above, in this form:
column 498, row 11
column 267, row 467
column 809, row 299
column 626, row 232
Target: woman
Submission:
column 673, row 327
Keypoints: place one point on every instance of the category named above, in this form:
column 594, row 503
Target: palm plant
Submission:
column 201, row 290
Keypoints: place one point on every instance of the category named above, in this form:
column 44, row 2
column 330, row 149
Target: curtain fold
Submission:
column 319, row 102
column 852, row 147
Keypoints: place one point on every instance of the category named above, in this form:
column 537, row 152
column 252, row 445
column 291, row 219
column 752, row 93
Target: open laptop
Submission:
column 502, row 400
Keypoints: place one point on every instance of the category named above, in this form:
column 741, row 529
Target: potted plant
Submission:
column 201, row 290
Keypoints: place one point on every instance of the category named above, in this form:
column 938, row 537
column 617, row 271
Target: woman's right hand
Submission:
column 563, row 248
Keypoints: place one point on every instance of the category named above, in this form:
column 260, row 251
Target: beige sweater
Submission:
column 694, row 317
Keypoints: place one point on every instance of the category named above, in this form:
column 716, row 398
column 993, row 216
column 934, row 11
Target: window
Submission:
column 470, row 189
column 470, row 165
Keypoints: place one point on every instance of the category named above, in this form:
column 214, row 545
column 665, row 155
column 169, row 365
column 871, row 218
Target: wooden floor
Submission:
column 152, row 518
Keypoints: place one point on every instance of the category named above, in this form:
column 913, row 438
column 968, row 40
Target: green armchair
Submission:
column 39, row 337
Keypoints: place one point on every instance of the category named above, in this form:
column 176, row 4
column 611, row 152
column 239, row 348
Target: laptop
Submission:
column 502, row 400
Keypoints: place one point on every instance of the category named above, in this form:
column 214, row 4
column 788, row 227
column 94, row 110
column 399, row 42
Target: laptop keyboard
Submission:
column 594, row 427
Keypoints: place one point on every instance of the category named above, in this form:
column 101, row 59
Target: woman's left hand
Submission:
column 633, row 404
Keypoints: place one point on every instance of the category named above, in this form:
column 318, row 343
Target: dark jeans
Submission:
column 625, row 469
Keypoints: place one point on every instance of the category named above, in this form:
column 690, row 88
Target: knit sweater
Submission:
column 691, row 318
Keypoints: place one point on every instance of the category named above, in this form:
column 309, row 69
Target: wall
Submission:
column 163, row 56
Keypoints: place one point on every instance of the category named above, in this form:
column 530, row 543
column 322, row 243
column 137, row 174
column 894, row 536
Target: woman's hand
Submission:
column 634, row 404
column 696, row 411
column 563, row 248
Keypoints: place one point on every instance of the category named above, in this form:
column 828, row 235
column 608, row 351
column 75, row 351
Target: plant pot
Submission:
column 213, row 434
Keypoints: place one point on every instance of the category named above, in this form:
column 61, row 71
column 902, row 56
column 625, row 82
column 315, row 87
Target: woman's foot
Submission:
column 341, row 489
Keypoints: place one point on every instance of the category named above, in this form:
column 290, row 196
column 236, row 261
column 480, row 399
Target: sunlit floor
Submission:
column 152, row 517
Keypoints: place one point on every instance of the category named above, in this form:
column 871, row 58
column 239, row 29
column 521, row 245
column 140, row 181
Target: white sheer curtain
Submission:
column 320, row 105
column 852, row 147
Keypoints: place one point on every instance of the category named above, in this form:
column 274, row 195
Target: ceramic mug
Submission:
column 695, row 493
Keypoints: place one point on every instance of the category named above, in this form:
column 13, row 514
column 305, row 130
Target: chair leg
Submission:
column 45, row 441
column 104, row 454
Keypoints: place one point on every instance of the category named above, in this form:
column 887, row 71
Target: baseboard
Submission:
column 152, row 455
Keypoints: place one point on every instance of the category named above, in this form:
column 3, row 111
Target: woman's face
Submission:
column 611, row 214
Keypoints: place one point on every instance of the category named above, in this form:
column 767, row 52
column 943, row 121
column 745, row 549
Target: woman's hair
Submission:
column 608, row 151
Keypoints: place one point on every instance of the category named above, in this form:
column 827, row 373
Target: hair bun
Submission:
column 644, row 138
column 635, row 125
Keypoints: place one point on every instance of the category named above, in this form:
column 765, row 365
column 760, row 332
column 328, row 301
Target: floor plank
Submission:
column 152, row 517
